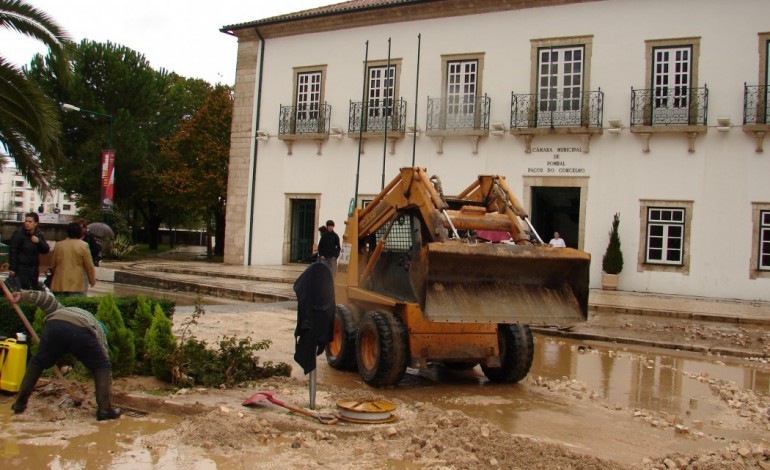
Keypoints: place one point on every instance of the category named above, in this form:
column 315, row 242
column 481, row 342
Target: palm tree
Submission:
column 29, row 120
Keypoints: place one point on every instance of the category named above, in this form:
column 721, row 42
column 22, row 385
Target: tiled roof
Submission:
column 337, row 8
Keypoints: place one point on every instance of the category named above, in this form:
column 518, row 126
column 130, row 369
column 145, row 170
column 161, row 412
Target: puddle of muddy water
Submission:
column 635, row 378
column 120, row 444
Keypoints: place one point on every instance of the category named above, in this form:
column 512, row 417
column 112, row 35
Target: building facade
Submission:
column 17, row 197
column 653, row 109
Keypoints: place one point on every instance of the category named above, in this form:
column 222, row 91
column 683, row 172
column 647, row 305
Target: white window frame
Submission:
column 560, row 74
column 643, row 262
column 381, row 90
column 672, row 68
column 462, row 86
column 763, row 261
column 308, row 98
column 670, row 221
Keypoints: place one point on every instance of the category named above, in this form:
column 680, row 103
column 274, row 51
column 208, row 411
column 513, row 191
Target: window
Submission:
column 764, row 241
column 381, row 91
column 18, row 184
column 308, row 101
column 461, row 88
column 559, row 99
column 760, row 252
column 383, row 103
column 560, row 85
column 66, row 207
column 672, row 72
column 673, row 97
column 665, row 235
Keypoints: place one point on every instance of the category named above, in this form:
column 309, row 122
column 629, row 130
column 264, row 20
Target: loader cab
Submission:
column 391, row 273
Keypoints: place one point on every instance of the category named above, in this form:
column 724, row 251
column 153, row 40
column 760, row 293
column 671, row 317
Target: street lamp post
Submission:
column 108, row 162
column 70, row 107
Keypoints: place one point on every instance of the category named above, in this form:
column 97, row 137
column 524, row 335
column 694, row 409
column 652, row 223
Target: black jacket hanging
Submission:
column 315, row 314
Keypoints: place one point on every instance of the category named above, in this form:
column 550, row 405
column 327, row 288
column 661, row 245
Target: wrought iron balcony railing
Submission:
column 551, row 109
column 755, row 100
column 458, row 113
column 374, row 116
column 296, row 120
column 669, row 106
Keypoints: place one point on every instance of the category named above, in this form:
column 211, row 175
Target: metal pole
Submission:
column 312, row 388
column 387, row 107
column 361, row 126
column 416, row 96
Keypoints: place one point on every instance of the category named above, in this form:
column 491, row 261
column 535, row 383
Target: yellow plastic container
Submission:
column 13, row 364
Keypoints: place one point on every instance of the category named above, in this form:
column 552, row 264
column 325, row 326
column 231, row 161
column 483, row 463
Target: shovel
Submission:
column 268, row 395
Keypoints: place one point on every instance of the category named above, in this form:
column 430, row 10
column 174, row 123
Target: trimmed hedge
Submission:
column 10, row 324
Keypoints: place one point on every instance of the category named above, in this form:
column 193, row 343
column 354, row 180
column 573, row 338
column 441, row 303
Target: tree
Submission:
column 29, row 121
column 160, row 344
column 196, row 177
column 612, row 262
column 145, row 105
column 120, row 341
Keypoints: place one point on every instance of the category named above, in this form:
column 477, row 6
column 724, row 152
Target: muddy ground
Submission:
column 208, row 428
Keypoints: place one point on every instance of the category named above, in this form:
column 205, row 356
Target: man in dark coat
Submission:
column 88, row 237
column 329, row 247
column 315, row 314
column 26, row 246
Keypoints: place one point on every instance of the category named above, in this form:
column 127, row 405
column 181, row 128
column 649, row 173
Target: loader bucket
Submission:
column 499, row 283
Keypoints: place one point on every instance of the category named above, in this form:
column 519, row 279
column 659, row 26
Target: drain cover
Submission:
column 366, row 411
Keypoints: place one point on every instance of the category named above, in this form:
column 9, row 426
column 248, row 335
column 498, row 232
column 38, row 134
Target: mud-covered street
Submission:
column 585, row 404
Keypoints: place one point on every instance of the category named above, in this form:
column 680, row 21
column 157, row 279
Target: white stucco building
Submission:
column 18, row 197
column 653, row 109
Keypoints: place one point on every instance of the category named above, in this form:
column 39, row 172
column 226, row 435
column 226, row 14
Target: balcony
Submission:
column 756, row 114
column 557, row 113
column 304, row 123
column 379, row 121
column 676, row 109
column 458, row 116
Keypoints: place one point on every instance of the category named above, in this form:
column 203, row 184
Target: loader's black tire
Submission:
column 517, row 348
column 382, row 349
column 341, row 350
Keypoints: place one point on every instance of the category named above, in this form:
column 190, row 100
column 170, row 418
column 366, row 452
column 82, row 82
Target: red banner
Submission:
column 108, row 180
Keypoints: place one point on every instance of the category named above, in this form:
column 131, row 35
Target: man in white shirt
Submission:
column 557, row 241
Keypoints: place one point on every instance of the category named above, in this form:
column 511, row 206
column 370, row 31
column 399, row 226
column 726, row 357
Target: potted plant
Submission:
column 612, row 262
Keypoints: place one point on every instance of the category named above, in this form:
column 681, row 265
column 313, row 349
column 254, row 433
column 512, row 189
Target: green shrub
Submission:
column 119, row 338
column 139, row 325
column 234, row 362
column 612, row 263
column 121, row 247
column 160, row 344
column 193, row 363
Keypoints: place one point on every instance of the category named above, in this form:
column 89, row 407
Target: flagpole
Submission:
column 416, row 95
column 360, row 130
column 387, row 109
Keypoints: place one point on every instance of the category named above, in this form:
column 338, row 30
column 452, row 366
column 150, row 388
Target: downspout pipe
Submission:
column 253, row 189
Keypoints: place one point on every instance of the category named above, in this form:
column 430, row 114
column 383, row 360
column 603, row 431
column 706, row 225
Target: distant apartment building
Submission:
column 18, row 197
column 654, row 109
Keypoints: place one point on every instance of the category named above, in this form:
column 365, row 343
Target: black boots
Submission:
column 27, row 385
column 103, row 383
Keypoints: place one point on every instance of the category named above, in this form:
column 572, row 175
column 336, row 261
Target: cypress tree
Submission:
column 612, row 263
column 160, row 344
column 139, row 324
column 119, row 338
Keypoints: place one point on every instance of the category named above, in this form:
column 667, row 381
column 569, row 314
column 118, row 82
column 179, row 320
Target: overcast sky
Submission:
column 181, row 36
